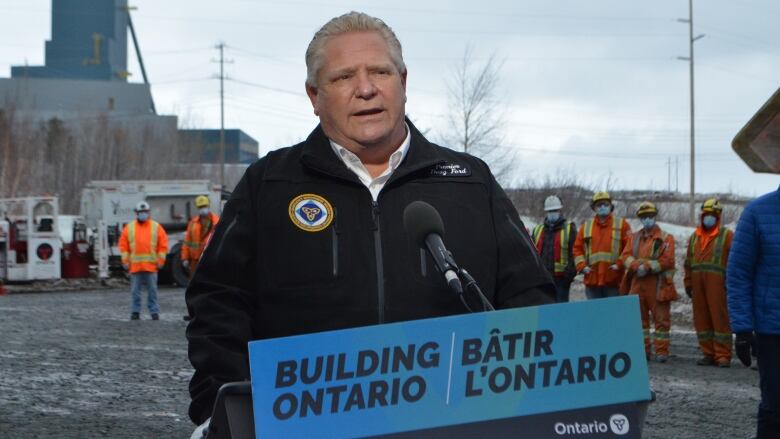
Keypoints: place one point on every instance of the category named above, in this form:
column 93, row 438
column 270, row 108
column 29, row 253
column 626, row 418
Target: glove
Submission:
column 586, row 270
column 634, row 265
column 614, row 267
column 185, row 263
column 642, row 270
column 744, row 344
column 689, row 292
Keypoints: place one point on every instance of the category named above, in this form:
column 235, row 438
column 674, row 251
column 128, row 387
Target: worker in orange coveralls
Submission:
column 199, row 231
column 649, row 261
column 597, row 248
column 705, row 284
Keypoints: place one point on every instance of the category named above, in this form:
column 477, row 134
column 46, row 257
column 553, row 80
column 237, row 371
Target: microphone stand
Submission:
column 468, row 282
column 471, row 283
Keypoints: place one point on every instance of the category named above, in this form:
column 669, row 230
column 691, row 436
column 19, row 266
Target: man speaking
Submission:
column 313, row 236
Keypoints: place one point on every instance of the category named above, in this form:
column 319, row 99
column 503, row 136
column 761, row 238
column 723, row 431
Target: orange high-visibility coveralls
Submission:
column 654, row 249
column 705, row 273
column 199, row 231
column 598, row 245
column 143, row 245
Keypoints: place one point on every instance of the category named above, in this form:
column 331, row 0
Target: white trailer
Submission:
column 108, row 205
column 29, row 239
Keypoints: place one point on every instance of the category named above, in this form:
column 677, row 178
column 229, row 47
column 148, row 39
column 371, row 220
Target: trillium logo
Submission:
column 618, row 423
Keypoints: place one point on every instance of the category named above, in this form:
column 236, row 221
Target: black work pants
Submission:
column 768, row 347
column 562, row 287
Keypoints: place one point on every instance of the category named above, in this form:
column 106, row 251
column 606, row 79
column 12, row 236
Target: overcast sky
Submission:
column 590, row 87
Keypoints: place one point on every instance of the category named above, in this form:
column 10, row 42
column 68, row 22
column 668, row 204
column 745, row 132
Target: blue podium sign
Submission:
column 436, row 374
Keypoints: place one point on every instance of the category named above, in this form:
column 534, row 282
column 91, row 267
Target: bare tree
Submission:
column 476, row 116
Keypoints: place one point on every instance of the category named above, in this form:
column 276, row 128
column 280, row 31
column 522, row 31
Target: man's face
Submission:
column 360, row 94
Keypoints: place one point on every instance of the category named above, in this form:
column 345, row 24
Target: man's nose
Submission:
column 366, row 89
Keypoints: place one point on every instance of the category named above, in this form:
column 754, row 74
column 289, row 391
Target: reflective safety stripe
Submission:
column 708, row 268
column 614, row 254
column 537, row 233
column 716, row 263
column 705, row 335
column 144, row 257
column 724, row 338
column 190, row 244
column 662, row 334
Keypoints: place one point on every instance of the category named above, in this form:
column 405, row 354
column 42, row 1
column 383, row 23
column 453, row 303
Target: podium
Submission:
column 552, row 371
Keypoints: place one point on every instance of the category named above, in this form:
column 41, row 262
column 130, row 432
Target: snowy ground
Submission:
column 73, row 366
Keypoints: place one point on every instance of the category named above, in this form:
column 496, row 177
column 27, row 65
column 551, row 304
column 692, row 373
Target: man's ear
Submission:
column 403, row 82
column 311, row 91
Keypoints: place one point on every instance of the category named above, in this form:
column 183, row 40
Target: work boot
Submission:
column 155, row 316
column 135, row 316
column 724, row 363
column 705, row 361
column 661, row 358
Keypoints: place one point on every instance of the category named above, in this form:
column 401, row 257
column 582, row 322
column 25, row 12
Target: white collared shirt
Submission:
column 354, row 164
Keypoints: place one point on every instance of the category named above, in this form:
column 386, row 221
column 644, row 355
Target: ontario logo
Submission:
column 618, row 424
column 310, row 212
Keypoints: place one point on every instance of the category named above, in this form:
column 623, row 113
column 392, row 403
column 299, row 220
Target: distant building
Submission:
column 83, row 83
column 88, row 41
column 240, row 147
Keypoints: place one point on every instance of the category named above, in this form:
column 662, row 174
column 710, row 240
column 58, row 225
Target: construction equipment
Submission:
column 29, row 239
column 108, row 205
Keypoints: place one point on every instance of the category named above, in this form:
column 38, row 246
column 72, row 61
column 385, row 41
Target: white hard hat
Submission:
column 142, row 206
column 552, row 203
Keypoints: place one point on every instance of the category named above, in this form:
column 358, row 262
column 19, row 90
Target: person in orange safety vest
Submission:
column 597, row 248
column 144, row 246
column 199, row 231
column 705, row 284
column 649, row 261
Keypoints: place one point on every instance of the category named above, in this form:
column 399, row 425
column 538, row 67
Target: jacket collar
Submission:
column 319, row 156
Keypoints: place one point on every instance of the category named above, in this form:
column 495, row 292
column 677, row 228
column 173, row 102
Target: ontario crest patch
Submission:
column 310, row 212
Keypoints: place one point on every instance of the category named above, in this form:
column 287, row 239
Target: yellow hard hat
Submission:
column 711, row 206
column 201, row 201
column 646, row 208
column 600, row 196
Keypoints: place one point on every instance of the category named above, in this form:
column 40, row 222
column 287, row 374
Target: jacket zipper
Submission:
column 380, row 275
column 335, row 236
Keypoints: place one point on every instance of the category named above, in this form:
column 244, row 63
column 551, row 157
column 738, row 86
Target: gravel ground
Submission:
column 73, row 366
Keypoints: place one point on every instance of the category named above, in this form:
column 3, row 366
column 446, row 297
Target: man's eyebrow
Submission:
column 339, row 72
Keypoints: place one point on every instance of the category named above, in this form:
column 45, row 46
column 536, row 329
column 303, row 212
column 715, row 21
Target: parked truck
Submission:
column 107, row 206
column 29, row 239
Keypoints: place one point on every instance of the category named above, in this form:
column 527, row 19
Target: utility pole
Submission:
column 669, row 174
column 677, row 174
column 221, row 47
column 689, row 58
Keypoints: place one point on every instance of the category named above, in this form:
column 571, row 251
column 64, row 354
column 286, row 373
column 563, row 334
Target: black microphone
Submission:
column 424, row 225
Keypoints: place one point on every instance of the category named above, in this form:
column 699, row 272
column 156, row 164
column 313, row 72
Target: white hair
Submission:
column 351, row 22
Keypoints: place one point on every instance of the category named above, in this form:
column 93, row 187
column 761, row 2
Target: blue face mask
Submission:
column 708, row 221
column 143, row 216
column 553, row 217
column 648, row 222
column 603, row 210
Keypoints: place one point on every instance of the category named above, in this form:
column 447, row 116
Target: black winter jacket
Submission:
column 263, row 276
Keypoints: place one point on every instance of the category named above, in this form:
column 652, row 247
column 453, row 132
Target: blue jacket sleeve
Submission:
column 740, row 273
